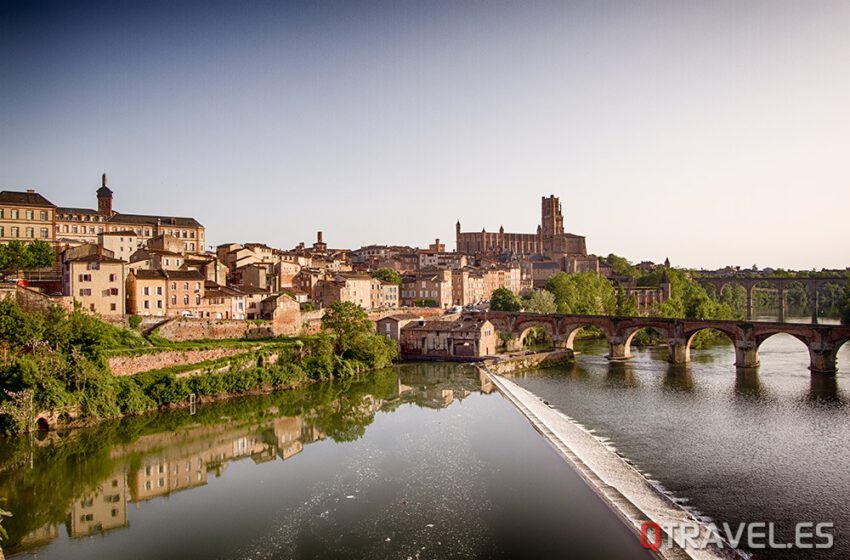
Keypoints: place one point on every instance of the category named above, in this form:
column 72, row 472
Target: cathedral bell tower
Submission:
column 104, row 198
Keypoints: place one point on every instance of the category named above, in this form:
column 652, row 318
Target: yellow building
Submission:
column 96, row 282
column 26, row 216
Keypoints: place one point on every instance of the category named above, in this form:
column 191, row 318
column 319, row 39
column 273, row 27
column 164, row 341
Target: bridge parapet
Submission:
column 823, row 341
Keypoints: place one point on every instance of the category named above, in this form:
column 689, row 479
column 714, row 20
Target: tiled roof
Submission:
column 154, row 220
column 183, row 275
column 445, row 326
column 24, row 198
column 144, row 274
column 94, row 257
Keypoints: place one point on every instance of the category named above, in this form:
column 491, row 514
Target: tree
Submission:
column 587, row 293
column 346, row 319
column 620, row 266
column 387, row 275
column 540, row 301
column 844, row 306
column 626, row 305
column 16, row 256
column 504, row 300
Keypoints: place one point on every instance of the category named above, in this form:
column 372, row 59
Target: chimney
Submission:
column 319, row 237
column 31, row 191
column 103, row 181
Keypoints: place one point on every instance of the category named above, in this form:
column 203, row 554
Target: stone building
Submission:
column 83, row 225
column 430, row 285
column 551, row 241
column 391, row 325
column 345, row 286
column 26, row 216
column 464, row 338
column 96, row 282
column 146, row 293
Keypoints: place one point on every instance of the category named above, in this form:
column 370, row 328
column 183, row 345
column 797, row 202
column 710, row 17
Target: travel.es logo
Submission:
column 755, row 535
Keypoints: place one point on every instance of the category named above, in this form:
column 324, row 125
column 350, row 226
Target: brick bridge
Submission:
column 781, row 283
column 823, row 341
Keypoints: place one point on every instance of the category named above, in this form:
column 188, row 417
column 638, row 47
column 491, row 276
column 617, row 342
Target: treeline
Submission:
column 16, row 256
column 57, row 361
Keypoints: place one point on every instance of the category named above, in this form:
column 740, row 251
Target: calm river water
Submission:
column 420, row 461
column 770, row 446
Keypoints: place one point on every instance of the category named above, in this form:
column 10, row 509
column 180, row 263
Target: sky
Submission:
column 712, row 133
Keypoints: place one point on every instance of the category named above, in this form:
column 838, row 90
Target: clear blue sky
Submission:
column 709, row 132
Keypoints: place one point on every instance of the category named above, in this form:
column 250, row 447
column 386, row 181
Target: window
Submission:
column 159, row 304
column 29, row 215
column 85, row 291
column 15, row 232
column 44, row 216
column 173, row 300
column 197, row 300
column 147, row 304
column 197, row 286
column 45, row 233
column 146, row 291
column 186, row 300
column 14, row 214
column 2, row 213
column 112, row 277
column 174, row 285
column 113, row 307
column 85, row 277
column 159, row 290
column 185, row 285
column 2, row 232
column 113, row 291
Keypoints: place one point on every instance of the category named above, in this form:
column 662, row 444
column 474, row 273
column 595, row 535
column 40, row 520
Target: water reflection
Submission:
column 679, row 378
column 620, row 375
column 823, row 389
column 84, row 481
column 747, row 383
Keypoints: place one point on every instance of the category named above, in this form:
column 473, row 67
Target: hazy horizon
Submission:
column 711, row 133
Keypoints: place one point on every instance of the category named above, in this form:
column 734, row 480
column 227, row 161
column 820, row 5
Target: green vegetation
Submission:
column 844, row 306
column 387, row 275
column 540, row 301
column 587, row 293
column 58, row 361
column 620, row 266
column 424, row 303
column 505, row 300
column 16, row 256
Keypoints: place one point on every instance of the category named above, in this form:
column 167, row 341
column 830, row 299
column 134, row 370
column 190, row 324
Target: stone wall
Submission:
column 187, row 328
column 130, row 365
column 34, row 301
column 519, row 362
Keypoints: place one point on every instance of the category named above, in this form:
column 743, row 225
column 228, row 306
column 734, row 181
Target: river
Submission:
column 420, row 461
column 771, row 445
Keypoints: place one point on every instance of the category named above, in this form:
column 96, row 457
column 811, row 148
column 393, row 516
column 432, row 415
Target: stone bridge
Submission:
column 822, row 341
column 780, row 283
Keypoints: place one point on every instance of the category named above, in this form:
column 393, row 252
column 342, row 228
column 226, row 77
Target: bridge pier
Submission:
column 746, row 355
column 680, row 352
column 749, row 289
column 618, row 351
column 823, row 360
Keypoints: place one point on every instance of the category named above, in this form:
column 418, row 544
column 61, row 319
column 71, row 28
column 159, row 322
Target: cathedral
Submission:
column 549, row 241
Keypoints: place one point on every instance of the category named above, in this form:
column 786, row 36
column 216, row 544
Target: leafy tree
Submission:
column 620, row 266
column 346, row 320
column 844, row 307
column 540, row 301
column 424, row 303
column 387, row 275
column 626, row 305
column 16, row 256
column 504, row 300
column 587, row 293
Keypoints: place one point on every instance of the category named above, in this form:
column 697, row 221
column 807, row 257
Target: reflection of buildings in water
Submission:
column 102, row 510
column 160, row 478
column 487, row 386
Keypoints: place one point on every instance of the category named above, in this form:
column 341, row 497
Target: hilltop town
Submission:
column 156, row 268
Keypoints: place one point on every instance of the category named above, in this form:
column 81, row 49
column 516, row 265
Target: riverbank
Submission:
column 622, row 486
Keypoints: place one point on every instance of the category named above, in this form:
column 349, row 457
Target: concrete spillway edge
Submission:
column 619, row 484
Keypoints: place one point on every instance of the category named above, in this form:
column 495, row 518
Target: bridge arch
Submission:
column 529, row 327
column 42, row 425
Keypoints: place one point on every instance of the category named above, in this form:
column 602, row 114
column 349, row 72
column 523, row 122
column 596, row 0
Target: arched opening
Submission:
column 536, row 338
column 794, row 305
column 781, row 352
column 710, row 346
column 646, row 339
column 829, row 297
column 842, row 353
column 42, row 425
column 535, row 335
column 765, row 298
column 586, row 339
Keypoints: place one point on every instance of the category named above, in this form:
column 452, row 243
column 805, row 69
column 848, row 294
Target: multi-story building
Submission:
column 185, row 290
column 96, row 282
column 391, row 325
column 26, row 216
column 467, row 286
column 122, row 243
column 427, row 287
column 466, row 337
column 346, row 286
column 83, row 225
column 385, row 295
column 146, row 293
